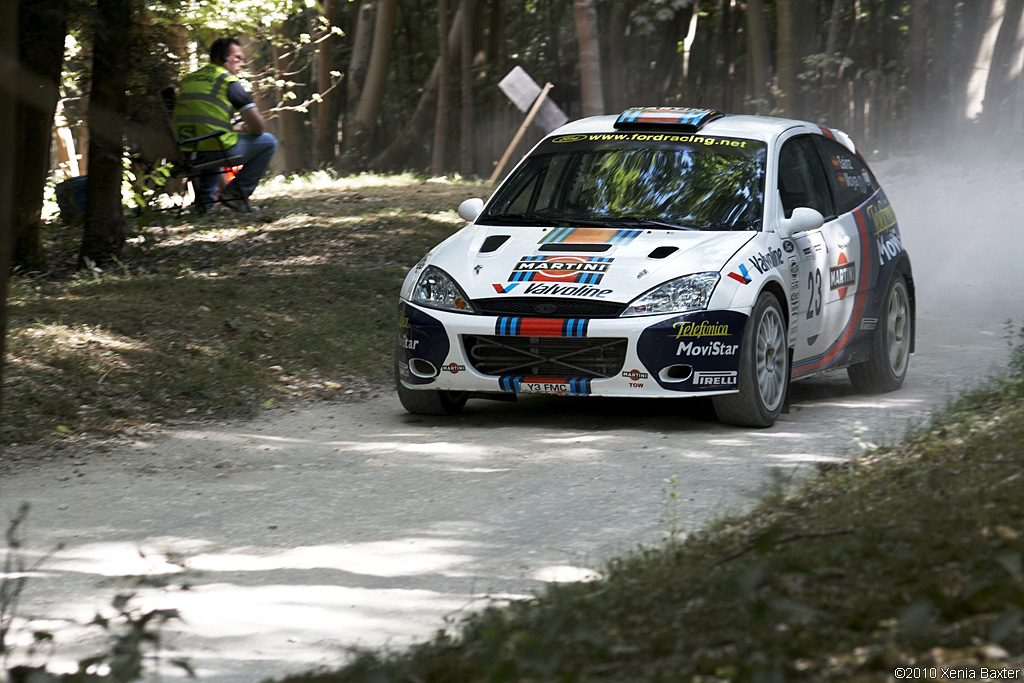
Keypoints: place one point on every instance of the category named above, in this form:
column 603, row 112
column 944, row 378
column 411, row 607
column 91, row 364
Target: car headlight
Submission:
column 687, row 293
column 436, row 289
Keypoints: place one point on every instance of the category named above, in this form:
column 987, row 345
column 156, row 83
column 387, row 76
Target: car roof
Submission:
column 709, row 122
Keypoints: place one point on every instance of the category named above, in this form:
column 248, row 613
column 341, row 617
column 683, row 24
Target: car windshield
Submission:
column 686, row 182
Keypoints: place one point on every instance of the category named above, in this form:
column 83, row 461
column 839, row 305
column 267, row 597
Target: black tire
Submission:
column 886, row 368
column 429, row 401
column 764, row 369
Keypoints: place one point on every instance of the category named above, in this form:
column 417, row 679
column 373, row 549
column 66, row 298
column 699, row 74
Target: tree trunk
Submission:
column 365, row 124
column 983, row 58
column 591, row 90
column 104, row 233
column 326, row 120
column 917, row 72
column 467, row 142
column 292, row 132
column 1002, row 88
column 441, row 116
column 795, row 41
column 41, row 52
column 399, row 151
column 355, row 76
column 943, row 84
column 615, row 60
column 8, row 166
column 758, row 56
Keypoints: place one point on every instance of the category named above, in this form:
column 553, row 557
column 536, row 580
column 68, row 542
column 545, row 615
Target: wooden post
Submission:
column 522, row 130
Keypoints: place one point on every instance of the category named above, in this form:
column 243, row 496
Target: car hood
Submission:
column 595, row 263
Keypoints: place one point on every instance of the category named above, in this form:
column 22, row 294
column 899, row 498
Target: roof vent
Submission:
column 678, row 118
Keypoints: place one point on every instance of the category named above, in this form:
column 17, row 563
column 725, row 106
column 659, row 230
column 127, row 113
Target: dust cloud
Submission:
column 961, row 221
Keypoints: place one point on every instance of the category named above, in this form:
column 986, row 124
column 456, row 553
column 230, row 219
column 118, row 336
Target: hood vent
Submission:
column 579, row 246
column 663, row 252
column 492, row 243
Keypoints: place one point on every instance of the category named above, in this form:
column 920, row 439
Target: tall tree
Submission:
column 467, row 143
column 986, row 46
column 759, row 57
column 41, row 53
column 591, row 89
column 293, row 137
column 441, row 117
column 326, row 111
column 104, row 235
column 403, row 145
column 8, row 165
column 365, row 124
column 1001, row 106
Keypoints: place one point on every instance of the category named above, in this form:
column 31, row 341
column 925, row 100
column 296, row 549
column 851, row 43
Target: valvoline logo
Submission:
column 743, row 277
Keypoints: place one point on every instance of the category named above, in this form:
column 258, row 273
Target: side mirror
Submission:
column 471, row 208
column 803, row 219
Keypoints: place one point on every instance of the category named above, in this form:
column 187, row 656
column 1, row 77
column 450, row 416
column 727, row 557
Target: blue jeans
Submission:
column 256, row 152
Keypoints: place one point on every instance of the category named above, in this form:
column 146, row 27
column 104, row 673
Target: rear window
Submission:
column 689, row 181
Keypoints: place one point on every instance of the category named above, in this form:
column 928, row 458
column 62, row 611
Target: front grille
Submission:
column 546, row 356
column 544, row 307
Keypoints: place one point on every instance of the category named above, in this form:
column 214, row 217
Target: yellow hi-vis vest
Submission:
column 203, row 107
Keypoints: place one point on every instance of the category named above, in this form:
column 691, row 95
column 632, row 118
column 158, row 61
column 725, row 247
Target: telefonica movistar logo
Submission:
column 569, row 138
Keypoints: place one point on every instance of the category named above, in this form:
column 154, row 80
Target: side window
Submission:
column 852, row 182
column 801, row 179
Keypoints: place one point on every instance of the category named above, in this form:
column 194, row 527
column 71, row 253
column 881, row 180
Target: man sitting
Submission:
column 208, row 98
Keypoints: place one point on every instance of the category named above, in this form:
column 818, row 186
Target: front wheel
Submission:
column 429, row 401
column 886, row 368
column 764, row 369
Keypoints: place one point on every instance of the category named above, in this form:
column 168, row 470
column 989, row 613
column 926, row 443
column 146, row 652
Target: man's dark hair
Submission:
column 219, row 49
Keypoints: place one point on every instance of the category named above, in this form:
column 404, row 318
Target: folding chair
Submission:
column 158, row 146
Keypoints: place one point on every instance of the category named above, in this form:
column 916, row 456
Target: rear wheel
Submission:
column 429, row 401
column 764, row 369
column 890, row 344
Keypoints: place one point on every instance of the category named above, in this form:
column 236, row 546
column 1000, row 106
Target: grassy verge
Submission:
column 218, row 316
column 909, row 557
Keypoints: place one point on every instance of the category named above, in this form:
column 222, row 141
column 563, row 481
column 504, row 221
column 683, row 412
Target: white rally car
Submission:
column 664, row 253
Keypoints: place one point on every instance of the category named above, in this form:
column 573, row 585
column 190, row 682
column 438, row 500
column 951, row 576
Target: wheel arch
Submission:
column 776, row 289
column 903, row 266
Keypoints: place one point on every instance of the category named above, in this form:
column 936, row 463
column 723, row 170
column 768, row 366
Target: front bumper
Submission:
column 689, row 354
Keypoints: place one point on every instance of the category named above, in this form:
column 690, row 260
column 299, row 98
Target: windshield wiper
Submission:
column 520, row 219
column 655, row 223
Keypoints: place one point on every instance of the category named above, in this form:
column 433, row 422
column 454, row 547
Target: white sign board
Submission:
column 523, row 91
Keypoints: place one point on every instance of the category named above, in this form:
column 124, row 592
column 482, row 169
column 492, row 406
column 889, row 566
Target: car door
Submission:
column 802, row 182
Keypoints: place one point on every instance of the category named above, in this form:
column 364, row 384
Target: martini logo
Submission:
column 634, row 374
column 743, row 277
column 588, row 270
column 453, row 368
column 842, row 275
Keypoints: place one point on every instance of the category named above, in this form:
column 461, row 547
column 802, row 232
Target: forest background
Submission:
column 383, row 85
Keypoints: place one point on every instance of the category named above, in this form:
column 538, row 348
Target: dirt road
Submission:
column 286, row 540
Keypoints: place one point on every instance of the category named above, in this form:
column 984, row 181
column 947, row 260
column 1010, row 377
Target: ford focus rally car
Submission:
column 664, row 253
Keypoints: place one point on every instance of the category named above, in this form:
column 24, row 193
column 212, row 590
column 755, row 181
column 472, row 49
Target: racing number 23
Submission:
column 814, row 290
